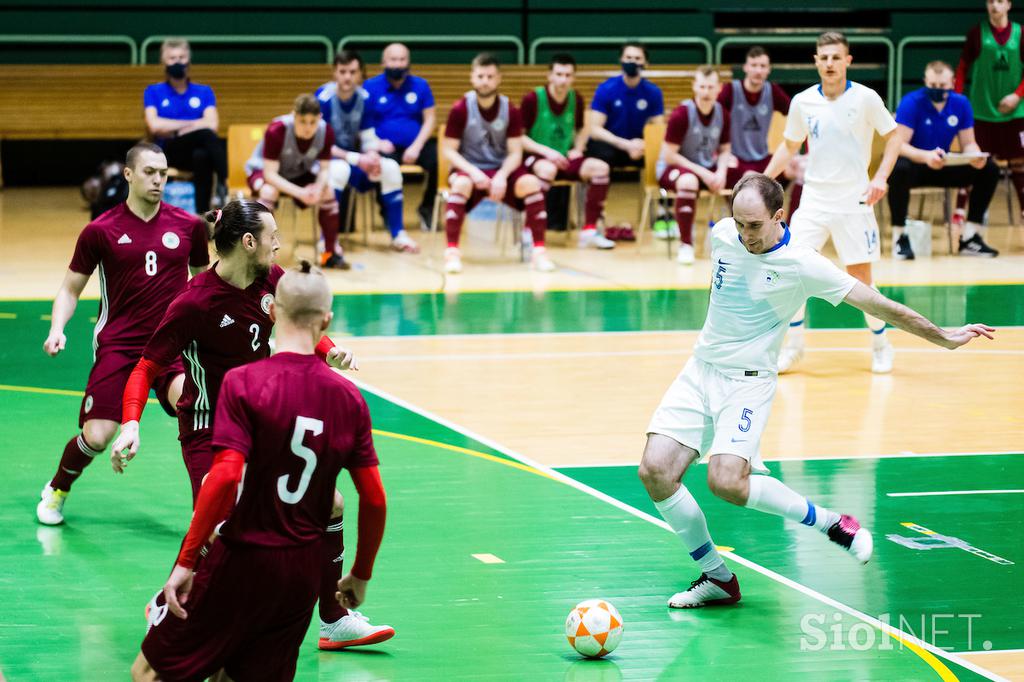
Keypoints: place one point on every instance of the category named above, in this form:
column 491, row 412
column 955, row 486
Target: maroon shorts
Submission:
column 510, row 192
column 1003, row 140
column 256, row 182
column 105, row 388
column 248, row 612
column 196, row 450
column 571, row 173
column 671, row 174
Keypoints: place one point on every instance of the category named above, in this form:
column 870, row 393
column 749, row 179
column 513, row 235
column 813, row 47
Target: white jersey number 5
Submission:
column 302, row 425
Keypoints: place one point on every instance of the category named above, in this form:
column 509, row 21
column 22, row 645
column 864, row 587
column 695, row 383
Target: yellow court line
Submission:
column 53, row 391
column 465, row 451
column 945, row 674
column 8, row 316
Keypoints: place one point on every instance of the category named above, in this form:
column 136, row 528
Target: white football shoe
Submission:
column 352, row 630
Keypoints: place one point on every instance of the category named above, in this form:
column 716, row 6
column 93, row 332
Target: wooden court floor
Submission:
column 563, row 371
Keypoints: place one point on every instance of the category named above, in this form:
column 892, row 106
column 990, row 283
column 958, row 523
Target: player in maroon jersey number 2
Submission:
column 288, row 424
column 222, row 321
column 144, row 250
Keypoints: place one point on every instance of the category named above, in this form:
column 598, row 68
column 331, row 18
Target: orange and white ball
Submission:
column 594, row 628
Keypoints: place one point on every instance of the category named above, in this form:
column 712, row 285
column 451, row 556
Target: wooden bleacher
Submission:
column 105, row 102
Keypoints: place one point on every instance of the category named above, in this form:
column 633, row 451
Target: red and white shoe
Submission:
column 848, row 534
column 352, row 630
column 706, row 591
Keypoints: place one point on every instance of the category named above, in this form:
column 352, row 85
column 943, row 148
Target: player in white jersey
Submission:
column 718, row 406
column 839, row 118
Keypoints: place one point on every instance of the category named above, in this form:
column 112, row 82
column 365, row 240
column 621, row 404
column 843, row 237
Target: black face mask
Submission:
column 177, row 70
column 395, row 73
column 631, row 68
column 936, row 94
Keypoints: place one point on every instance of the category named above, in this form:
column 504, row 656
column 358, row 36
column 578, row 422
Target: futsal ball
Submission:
column 594, row 628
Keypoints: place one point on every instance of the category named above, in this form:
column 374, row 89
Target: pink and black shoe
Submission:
column 848, row 534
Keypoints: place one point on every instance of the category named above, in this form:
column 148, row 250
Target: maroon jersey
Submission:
column 143, row 266
column 298, row 423
column 215, row 327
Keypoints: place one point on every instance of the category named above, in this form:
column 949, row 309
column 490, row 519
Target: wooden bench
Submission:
column 105, row 101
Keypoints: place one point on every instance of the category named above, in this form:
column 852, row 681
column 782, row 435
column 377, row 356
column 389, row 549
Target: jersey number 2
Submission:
column 302, row 426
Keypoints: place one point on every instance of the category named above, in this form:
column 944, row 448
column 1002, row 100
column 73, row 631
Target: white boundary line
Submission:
column 897, row 455
column 956, row 492
column 990, row 651
column 849, row 610
column 657, row 332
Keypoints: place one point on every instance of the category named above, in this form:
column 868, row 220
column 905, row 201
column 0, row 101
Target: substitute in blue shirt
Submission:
column 181, row 116
column 405, row 119
column 928, row 119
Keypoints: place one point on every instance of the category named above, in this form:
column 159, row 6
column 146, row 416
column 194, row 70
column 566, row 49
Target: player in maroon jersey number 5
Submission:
column 290, row 424
column 144, row 250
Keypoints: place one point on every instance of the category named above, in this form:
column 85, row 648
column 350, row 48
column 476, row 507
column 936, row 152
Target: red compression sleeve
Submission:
column 216, row 498
column 372, row 512
column 324, row 347
column 136, row 390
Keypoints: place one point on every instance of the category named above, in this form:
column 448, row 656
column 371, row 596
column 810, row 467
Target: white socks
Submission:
column 682, row 513
column 970, row 229
column 772, row 496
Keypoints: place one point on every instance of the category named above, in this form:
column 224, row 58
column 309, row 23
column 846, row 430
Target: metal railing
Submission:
column 241, row 39
column 810, row 39
column 439, row 39
column 901, row 52
column 616, row 41
column 54, row 39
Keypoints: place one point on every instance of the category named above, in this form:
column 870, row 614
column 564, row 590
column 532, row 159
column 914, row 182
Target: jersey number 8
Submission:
column 302, row 425
column 151, row 263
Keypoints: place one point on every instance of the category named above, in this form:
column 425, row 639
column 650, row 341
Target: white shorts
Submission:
column 716, row 414
column 855, row 235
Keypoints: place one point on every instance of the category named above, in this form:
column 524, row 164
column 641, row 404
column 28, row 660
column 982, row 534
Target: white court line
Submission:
column 896, row 455
column 955, row 492
column 814, row 594
column 989, row 651
column 488, row 558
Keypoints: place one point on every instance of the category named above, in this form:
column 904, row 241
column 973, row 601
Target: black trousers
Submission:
column 613, row 156
column 202, row 153
column 428, row 161
column 906, row 175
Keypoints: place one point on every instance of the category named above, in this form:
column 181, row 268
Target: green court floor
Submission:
column 72, row 598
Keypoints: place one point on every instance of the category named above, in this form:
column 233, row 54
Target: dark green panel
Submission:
column 899, row 581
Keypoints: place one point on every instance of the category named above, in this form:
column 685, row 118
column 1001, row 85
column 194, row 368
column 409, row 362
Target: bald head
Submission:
column 303, row 298
column 395, row 56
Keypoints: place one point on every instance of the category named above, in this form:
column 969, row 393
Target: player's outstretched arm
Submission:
column 786, row 150
column 64, row 304
column 372, row 514
column 898, row 315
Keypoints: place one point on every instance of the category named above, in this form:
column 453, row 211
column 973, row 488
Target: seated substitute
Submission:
column 928, row 119
column 554, row 142
column 181, row 117
column 483, row 141
column 695, row 154
column 356, row 162
column 294, row 159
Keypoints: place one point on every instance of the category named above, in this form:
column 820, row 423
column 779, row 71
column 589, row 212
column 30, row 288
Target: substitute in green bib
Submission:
column 992, row 71
column 554, row 142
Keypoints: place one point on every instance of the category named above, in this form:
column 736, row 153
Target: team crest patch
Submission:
column 641, row 104
column 771, row 277
column 171, row 240
column 88, row 404
column 411, row 97
column 952, row 120
column 194, row 102
column 265, row 302
column 498, row 125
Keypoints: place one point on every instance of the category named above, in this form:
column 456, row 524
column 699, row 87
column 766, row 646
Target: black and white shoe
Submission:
column 706, row 591
column 975, row 246
column 902, row 250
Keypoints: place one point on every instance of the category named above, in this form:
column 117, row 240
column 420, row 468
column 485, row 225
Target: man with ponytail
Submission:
column 220, row 322
column 144, row 250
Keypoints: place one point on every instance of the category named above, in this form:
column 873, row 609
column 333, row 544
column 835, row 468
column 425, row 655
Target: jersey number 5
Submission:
column 302, row 425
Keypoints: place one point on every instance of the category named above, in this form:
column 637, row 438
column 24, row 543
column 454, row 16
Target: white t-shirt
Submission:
column 754, row 296
column 839, row 134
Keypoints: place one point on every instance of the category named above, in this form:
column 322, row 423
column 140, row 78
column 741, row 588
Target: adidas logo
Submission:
column 226, row 321
column 125, row 239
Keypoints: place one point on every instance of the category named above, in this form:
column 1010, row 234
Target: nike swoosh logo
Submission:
column 739, row 440
column 722, row 262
